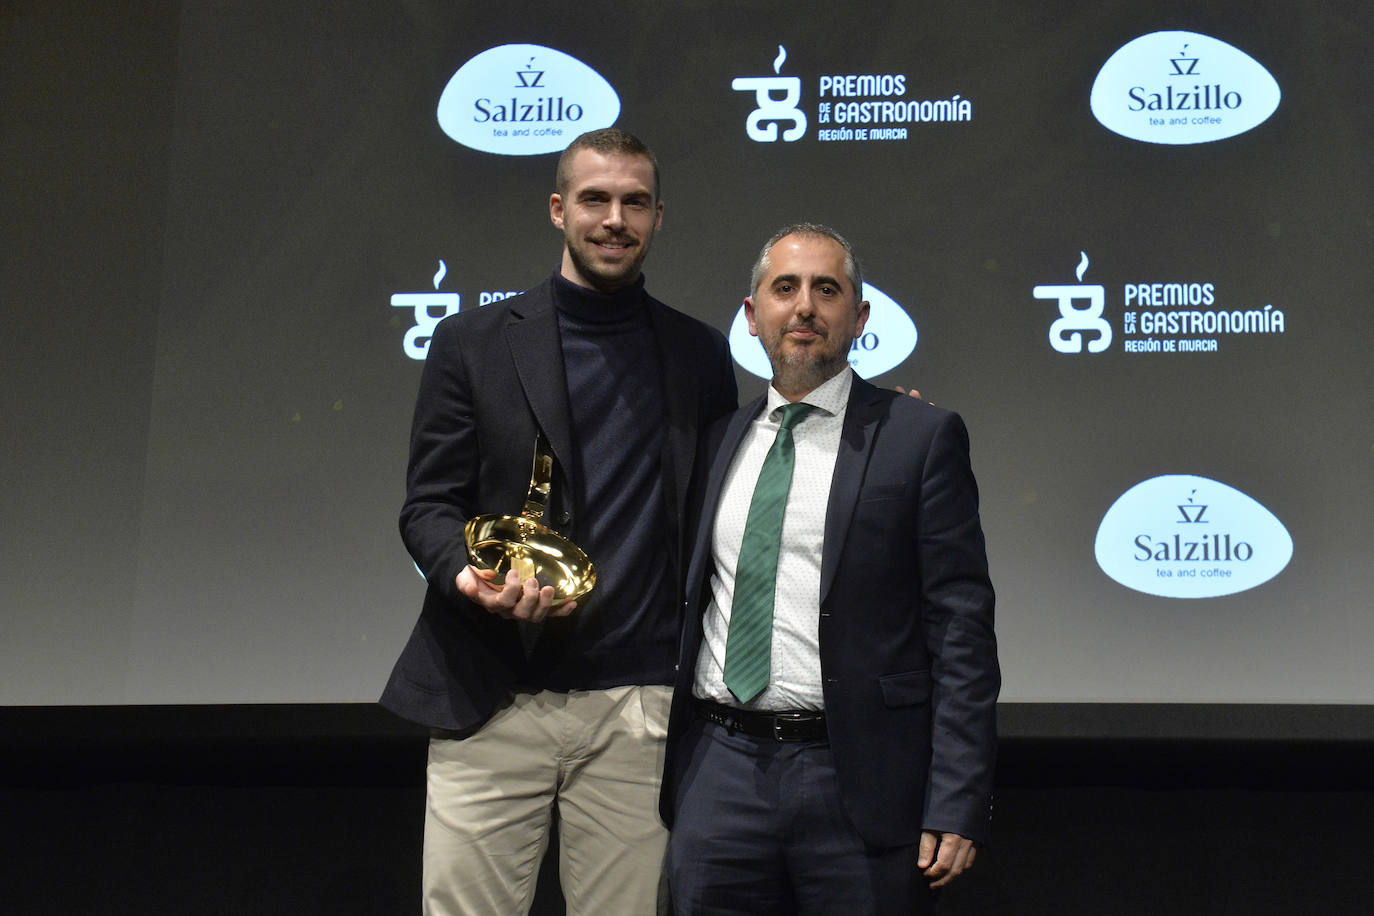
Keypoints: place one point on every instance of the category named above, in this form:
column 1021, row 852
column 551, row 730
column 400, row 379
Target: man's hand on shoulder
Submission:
column 913, row 393
column 514, row 600
column 944, row 857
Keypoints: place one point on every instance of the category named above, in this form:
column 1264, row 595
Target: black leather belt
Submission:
column 773, row 726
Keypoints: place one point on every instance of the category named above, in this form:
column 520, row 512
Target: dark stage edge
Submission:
column 1046, row 744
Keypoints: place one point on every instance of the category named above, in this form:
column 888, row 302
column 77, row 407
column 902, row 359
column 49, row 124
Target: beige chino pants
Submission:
column 598, row 756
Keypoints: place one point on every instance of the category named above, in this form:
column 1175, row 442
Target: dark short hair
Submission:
column 607, row 141
column 813, row 230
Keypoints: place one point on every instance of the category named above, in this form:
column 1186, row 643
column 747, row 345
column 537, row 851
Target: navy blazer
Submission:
column 908, row 657
column 493, row 379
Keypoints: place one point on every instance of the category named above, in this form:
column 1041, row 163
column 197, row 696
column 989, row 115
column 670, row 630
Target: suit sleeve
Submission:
column 723, row 396
column 442, row 474
column 957, row 606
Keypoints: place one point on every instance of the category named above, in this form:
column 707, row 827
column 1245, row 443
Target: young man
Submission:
column 535, row 707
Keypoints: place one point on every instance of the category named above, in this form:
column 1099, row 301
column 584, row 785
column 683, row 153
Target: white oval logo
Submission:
column 523, row 100
column 1182, row 87
column 1182, row 536
column 888, row 338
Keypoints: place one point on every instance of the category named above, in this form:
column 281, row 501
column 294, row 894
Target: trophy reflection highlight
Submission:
column 523, row 543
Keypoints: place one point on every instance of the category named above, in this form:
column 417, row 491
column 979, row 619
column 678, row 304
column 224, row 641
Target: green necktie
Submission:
column 749, row 645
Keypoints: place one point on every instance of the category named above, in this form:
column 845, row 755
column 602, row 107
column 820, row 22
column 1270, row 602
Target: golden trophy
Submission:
column 523, row 543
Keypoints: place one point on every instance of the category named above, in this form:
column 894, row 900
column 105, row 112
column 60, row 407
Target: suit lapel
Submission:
column 720, row 460
column 861, row 419
column 532, row 336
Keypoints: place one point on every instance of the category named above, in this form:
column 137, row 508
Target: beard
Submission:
column 799, row 368
column 605, row 277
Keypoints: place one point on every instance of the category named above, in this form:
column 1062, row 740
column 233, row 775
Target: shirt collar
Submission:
column 830, row 397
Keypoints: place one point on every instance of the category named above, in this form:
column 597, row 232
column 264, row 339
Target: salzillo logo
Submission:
column 1182, row 87
column 523, row 100
column 783, row 109
column 888, row 338
column 1066, row 332
column 1181, row 536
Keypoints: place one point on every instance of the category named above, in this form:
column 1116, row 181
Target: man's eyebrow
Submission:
column 795, row 280
column 596, row 191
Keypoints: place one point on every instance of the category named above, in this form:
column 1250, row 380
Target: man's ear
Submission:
column 556, row 209
column 863, row 320
column 749, row 315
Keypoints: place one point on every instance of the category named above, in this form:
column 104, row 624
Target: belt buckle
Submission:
column 780, row 720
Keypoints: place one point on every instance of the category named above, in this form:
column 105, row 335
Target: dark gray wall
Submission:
column 208, row 207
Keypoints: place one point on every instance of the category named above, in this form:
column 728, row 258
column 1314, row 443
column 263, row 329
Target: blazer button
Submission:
column 564, row 518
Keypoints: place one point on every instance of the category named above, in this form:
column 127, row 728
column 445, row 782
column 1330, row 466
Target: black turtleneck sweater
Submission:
column 625, row 632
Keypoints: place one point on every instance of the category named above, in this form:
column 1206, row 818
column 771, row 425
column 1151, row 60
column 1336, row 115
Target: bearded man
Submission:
column 831, row 743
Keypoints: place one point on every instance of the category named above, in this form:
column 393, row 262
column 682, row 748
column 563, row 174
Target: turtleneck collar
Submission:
column 593, row 306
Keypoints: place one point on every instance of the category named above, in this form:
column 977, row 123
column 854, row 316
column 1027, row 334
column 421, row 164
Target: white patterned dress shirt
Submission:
column 796, row 659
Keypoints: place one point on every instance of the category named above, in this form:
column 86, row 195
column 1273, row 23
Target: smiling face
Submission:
column 805, row 313
column 608, row 214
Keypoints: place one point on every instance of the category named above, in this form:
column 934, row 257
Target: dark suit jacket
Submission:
column 908, row 658
column 493, row 379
